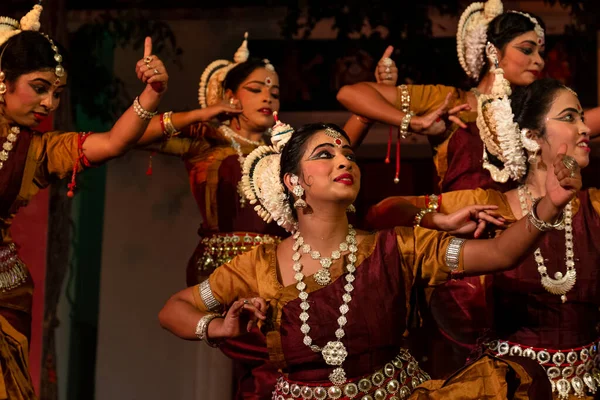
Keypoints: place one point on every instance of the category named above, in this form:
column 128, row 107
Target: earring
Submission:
column 351, row 208
column 532, row 159
column 492, row 54
column 298, row 192
column 2, row 86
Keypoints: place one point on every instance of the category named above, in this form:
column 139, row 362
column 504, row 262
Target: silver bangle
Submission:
column 206, row 294
column 141, row 112
column 542, row 225
column 202, row 328
column 453, row 253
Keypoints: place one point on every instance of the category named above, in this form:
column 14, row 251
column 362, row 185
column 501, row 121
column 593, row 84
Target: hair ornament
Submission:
column 539, row 31
column 260, row 179
column 10, row 27
column 210, row 91
column 471, row 35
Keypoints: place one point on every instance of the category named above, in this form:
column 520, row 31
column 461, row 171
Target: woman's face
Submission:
column 258, row 96
column 565, row 124
column 329, row 172
column 521, row 59
column 32, row 97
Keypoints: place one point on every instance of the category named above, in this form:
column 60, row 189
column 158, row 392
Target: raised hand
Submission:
column 434, row 123
column 563, row 179
column 386, row 72
column 468, row 221
column 241, row 316
column 151, row 70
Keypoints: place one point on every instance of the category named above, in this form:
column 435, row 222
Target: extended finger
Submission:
column 459, row 108
column 442, row 109
column 483, row 216
column 457, row 121
column 388, row 52
column 147, row 46
column 480, row 228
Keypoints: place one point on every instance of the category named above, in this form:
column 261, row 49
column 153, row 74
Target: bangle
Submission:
column 141, row 112
column 202, row 328
column 433, row 201
column 541, row 225
column 453, row 253
column 421, row 214
column 364, row 120
column 404, row 133
column 166, row 124
column 404, row 99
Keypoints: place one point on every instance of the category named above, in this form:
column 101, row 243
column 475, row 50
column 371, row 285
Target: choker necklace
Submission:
column 334, row 353
column 561, row 284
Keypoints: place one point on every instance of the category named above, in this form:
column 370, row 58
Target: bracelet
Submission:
column 140, row 111
column 166, row 123
column 433, row 201
column 404, row 133
column 542, row 225
column 364, row 120
column 421, row 214
column 202, row 328
column 453, row 253
column 404, row 99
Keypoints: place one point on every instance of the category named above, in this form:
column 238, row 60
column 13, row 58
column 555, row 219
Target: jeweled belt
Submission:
column 13, row 272
column 396, row 380
column 569, row 370
column 220, row 248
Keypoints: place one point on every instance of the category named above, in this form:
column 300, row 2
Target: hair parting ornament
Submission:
column 335, row 135
column 260, row 179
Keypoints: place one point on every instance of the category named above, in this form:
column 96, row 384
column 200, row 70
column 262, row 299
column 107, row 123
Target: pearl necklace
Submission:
column 9, row 144
column 334, row 353
column 561, row 284
column 233, row 138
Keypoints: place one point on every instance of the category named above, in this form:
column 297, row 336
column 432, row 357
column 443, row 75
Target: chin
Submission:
column 583, row 161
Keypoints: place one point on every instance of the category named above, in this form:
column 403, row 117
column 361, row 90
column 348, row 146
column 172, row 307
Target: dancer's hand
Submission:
column 151, row 70
column 386, row 71
column 470, row 220
column 434, row 123
column 241, row 317
column 222, row 111
column 563, row 179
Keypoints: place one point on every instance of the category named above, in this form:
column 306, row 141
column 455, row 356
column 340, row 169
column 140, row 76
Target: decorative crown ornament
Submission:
column 471, row 35
column 10, row 27
column 211, row 80
column 260, row 179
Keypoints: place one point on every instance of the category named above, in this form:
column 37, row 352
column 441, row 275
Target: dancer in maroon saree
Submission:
column 356, row 303
column 554, row 318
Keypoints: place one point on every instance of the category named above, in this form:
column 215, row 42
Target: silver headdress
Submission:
column 261, row 182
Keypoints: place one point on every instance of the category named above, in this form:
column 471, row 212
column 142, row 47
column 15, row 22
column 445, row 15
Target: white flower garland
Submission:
column 261, row 183
column 30, row 22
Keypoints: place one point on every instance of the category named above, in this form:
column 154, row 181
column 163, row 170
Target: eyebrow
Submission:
column 47, row 83
column 531, row 42
column 261, row 83
column 327, row 144
column 571, row 109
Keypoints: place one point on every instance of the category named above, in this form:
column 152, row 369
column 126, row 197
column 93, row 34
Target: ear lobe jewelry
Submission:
column 298, row 192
